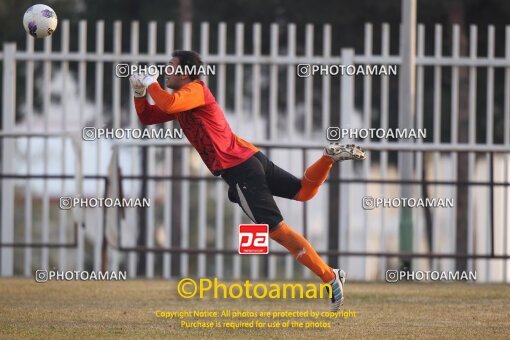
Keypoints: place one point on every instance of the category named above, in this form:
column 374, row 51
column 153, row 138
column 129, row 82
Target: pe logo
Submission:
column 253, row 239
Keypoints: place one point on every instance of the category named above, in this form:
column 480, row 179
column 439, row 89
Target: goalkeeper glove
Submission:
column 149, row 78
column 139, row 89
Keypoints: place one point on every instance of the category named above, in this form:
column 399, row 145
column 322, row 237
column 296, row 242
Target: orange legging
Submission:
column 313, row 177
column 304, row 253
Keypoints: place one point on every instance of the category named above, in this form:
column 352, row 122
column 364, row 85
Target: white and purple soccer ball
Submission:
column 40, row 21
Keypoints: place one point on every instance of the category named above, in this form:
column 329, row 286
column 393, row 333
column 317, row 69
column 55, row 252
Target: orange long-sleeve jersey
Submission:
column 202, row 121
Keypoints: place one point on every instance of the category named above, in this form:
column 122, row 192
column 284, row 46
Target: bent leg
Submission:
column 302, row 250
column 283, row 184
column 313, row 178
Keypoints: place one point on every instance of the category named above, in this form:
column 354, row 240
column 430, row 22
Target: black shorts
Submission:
column 252, row 185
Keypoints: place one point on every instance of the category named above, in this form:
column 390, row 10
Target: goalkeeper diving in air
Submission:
column 252, row 178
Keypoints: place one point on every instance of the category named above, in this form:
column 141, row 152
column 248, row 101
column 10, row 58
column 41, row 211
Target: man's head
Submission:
column 181, row 64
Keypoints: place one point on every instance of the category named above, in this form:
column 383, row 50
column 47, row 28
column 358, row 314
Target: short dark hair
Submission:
column 189, row 59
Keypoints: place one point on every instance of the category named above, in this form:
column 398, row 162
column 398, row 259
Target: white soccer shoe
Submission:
column 339, row 152
column 337, row 285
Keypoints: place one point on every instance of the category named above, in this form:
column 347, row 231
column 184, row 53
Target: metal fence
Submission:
column 267, row 103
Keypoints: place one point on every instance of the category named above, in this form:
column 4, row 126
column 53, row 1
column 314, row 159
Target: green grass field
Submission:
column 127, row 309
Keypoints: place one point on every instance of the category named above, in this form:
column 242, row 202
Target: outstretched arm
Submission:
column 186, row 98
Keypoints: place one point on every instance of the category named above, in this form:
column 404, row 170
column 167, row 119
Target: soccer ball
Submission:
column 40, row 21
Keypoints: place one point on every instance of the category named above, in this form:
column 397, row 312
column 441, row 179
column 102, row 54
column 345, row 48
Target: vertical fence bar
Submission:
column 455, row 86
column 237, row 258
column 490, row 85
column 220, row 227
column 306, row 272
column 257, row 51
column 506, row 141
column 167, row 168
column 204, row 46
column 273, row 115
column 385, row 52
column 82, row 89
column 202, row 216
column 65, row 74
column 29, row 104
column 151, row 168
column 133, row 123
column 291, row 81
column 82, row 68
column 167, row 210
column 346, row 109
column 367, row 122
column 309, row 83
column 116, row 97
column 110, row 256
column 326, row 80
column 167, row 219
column 186, row 36
column 291, row 115
column 489, row 138
column 150, row 218
column 202, row 185
column 290, row 261
column 418, row 225
column 46, row 112
column 8, row 123
column 472, row 139
column 454, row 127
column 222, row 51
column 326, row 94
column 185, row 213
column 273, row 87
column 100, row 124
column 239, row 75
column 220, row 206
column 186, row 45
column 438, row 41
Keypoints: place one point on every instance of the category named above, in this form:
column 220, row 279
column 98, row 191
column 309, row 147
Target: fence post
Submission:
column 8, row 122
column 406, row 120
